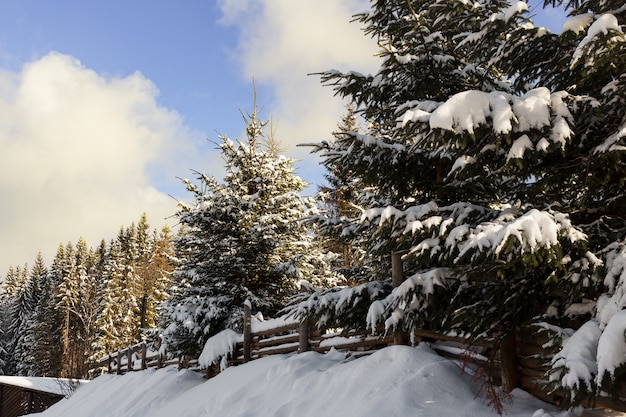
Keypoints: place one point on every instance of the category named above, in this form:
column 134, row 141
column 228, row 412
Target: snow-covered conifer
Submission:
column 494, row 164
column 240, row 240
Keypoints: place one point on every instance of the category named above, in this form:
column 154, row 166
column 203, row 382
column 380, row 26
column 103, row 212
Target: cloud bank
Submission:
column 76, row 155
column 281, row 42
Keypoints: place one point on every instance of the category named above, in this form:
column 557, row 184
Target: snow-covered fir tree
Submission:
column 112, row 307
column 156, row 277
column 48, row 322
column 494, row 164
column 16, row 305
column 28, row 299
column 240, row 240
column 135, row 268
column 76, row 303
column 338, row 198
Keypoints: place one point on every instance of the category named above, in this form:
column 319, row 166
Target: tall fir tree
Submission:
column 25, row 348
column 240, row 240
column 18, row 310
column 76, row 302
column 494, row 165
column 48, row 322
column 338, row 199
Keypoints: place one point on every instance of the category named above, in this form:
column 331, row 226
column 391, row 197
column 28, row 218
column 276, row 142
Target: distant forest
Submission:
column 89, row 302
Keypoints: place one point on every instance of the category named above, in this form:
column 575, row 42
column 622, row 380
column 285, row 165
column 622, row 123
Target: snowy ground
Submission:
column 396, row 381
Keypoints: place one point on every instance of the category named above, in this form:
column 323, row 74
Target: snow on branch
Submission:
column 614, row 300
column 505, row 113
column 612, row 347
column 411, row 295
column 339, row 305
column 604, row 24
column 613, row 143
column 533, row 230
column 574, row 367
column 218, row 347
column 449, row 231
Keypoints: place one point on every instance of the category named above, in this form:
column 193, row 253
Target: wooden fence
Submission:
column 530, row 359
column 520, row 361
column 134, row 358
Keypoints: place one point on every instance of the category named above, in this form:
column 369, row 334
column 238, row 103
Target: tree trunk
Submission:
column 247, row 332
column 397, row 278
column 508, row 362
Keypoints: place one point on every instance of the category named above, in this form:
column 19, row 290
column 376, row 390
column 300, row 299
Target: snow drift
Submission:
column 395, row 381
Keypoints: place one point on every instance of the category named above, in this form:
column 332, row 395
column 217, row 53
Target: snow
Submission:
column 58, row 386
column 612, row 346
column 603, row 25
column 519, row 147
column 576, row 362
column 514, row 9
column 506, row 113
column 218, row 347
column 460, row 163
column 577, row 23
column 462, row 112
column 395, row 381
column 533, row 230
column 259, row 325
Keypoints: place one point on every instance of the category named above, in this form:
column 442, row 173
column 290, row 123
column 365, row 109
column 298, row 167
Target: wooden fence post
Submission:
column 508, row 362
column 119, row 362
column 247, row 331
column 129, row 359
column 397, row 278
column 303, row 331
column 144, row 354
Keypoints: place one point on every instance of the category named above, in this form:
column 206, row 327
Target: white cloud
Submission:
column 281, row 41
column 76, row 151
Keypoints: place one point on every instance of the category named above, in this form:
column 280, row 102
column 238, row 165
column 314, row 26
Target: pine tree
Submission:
column 76, row 302
column 240, row 240
column 25, row 348
column 21, row 310
column 338, row 198
column 47, row 329
column 493, row 164
column 156, row 277
column 13, row 284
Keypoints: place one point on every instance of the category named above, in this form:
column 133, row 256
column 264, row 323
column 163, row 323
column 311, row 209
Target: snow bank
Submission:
column 396, row 381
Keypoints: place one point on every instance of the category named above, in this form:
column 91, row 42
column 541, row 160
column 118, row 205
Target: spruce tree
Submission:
column 338, row 201
column 7, row 292
column 76, row 302
column 493, row 164
column 111, row 307
column 25, row 348
column 240, row 240
column 47, row 329
column 19, row 309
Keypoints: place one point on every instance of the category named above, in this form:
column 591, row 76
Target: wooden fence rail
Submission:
column 520, row 361
column 530, row 358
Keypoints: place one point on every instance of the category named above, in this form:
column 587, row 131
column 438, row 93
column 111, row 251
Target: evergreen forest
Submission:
column 488, row 153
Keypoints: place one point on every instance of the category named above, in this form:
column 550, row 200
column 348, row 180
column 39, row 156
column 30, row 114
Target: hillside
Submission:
column 395, row 381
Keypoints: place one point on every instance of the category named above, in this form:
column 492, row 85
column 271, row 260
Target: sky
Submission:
column 397, row 381
column 106, row 105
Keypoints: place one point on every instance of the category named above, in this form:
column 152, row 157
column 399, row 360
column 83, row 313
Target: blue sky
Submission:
column 103, row 104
